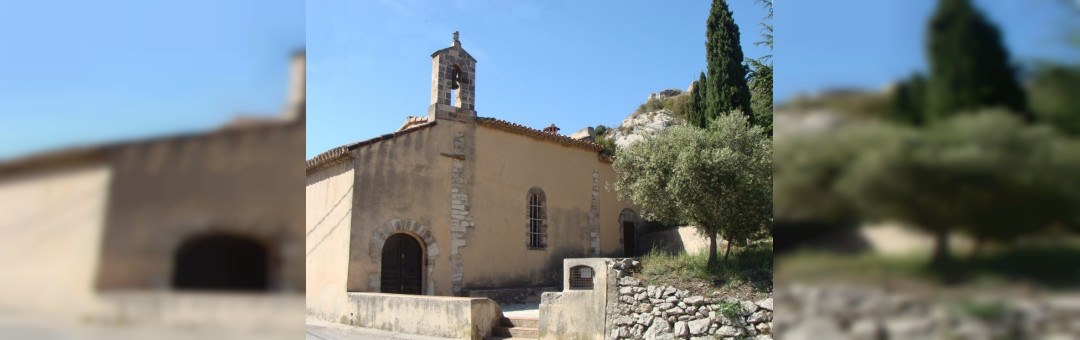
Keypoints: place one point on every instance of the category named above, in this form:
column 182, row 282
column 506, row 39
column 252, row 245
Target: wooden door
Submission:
column 402, row 265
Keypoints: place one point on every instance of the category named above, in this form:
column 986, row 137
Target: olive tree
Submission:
column 719, row 178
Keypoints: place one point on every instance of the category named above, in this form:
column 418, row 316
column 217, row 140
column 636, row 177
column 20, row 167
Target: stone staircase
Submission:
column 515, row 327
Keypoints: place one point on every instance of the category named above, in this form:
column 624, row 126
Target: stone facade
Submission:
column 453, row 83
column 460, row 220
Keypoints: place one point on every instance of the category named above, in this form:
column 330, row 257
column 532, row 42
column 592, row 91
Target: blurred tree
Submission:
column 969, row 66
column 907, row 103
column 987, row 174
column 1054, row 96
column 600, row 131
column 1009, row 179
column 719, row 179
column 727, row 89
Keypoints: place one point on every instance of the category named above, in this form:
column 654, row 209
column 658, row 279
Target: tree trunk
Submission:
column 941, row 248
column 712, row 251
column 728, row 251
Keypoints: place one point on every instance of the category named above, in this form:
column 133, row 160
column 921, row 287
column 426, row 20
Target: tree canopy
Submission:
column 719, row 179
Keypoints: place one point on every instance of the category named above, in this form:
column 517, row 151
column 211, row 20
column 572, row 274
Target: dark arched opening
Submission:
column 402, row 265
column 221, row 262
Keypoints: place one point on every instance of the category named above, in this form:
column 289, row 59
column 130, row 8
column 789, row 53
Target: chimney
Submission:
column 296, row 100
column 552, row 129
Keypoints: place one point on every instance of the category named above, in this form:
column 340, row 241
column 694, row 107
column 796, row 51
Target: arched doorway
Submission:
column 221, row 262
column 402, row 265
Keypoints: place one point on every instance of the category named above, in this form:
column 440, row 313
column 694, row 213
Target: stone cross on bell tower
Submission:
column 453, row 83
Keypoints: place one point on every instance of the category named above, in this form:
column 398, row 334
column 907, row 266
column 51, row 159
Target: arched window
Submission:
column 581, row 277
column 537, row 222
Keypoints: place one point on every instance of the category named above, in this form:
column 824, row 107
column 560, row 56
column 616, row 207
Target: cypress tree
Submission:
column 969, row 66
column 727, row 88
column 697, row 109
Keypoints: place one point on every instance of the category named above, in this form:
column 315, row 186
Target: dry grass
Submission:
column 746, row 275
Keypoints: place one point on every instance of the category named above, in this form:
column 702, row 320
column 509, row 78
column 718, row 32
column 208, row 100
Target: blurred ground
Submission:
column 322, row 330
column 21, row 326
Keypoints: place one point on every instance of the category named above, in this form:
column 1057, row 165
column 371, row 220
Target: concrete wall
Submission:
column 452, row 317
column 681, row 240
column 259, row 313
column 579, row 313
column 401, row 183
column 51, row 224
column 244, row 182
column 329, row 215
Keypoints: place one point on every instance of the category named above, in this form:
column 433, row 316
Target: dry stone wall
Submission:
column 843, row 311
column 645, row 311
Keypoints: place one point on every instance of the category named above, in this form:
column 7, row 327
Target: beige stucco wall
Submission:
column 402, row 179
column 245, row 182
column 611, row 238
column 329, row 217
column 506, row 166
column 51, row 224
column 407, row 184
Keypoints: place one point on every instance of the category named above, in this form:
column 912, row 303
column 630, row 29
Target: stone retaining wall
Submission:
column 844, row 311
column 660, row 312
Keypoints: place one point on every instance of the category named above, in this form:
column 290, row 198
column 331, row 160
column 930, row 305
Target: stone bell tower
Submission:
column 453, row 84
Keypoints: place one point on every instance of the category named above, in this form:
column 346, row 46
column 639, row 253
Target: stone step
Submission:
column 519, row 321
column 516, row 332
column 505, row 338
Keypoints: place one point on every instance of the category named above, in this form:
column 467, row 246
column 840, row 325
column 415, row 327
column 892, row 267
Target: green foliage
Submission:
column 727, row 89
column 601, row 137
column 808, row 169
column 751, row 266
column 907, row 104
column 696, row 114
column 600, row 131
column 678, row 105
column 1053, row 90
column 719, row 179
column 609, row 145
column 730, row 310
column 987, row 311
column 987, row 174
column 761, row 87
column 760, row 77
column 969, row 66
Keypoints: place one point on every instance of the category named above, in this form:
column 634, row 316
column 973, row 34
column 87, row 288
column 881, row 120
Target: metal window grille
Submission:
column 536, row 222
column 581, row 277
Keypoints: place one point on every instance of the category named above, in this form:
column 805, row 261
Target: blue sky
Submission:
column 868, row 44
column 86, row 72
column 571, row 63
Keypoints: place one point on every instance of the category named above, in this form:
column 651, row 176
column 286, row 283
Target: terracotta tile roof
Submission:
column 524, row 130
column 340, row 153
column 98, row 153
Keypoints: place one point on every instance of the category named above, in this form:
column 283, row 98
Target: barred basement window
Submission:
column 581, row 277
column 537, row 223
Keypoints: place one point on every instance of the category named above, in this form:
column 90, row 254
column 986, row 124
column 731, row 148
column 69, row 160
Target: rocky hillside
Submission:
column 660, row 112
column 638, row 125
